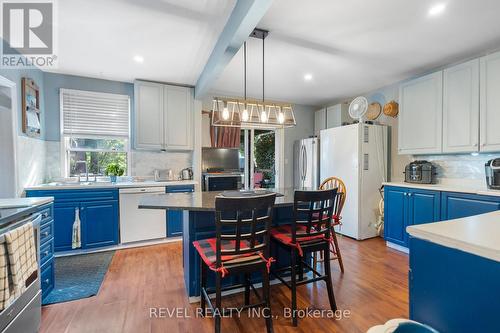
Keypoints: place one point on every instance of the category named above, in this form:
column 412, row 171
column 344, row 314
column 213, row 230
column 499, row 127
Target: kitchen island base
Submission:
column 453, row 291
column 201, row 225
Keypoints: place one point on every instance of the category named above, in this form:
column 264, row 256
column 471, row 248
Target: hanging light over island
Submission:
column 231, row 112
column 236, row 112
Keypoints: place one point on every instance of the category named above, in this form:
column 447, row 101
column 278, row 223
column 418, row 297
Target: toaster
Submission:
column 422, row 172
column 492, row 169
column 163, row 175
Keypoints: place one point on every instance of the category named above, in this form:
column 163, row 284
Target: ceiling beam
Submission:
column 243, row 19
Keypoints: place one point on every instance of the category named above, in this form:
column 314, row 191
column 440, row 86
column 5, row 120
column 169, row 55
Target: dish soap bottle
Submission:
column 76, row 239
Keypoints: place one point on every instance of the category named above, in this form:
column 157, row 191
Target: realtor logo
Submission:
column 28, row 34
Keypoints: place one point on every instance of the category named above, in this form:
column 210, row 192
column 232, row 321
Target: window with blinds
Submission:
column 95, row 132
column 87, row 113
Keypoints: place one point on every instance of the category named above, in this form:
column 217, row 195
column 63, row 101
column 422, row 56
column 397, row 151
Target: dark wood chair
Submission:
column 310, row 231
column 242, row 247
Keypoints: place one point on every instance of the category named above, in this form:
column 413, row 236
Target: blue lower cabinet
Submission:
column 46, row 246
column 174, row 217
column 47, row 278
column 99, row 215
column 459, row 205
column 424, row 207
column 407, row 206
column 395, row 215
column 99, row 224
column 174, row 223
column 64, row 216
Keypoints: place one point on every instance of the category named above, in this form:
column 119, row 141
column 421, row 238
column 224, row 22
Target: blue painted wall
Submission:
column 50, row 83
column 15, row 75
column 53, row 82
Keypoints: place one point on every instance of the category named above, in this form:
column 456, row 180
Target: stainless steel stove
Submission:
column 24, row 313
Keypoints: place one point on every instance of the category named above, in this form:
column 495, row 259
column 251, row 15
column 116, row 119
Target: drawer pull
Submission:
column 45, row 233
column 46, row 253
column 45, row 215
column 46, row 281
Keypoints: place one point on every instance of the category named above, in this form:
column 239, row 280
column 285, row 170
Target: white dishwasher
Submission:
column 140, row 224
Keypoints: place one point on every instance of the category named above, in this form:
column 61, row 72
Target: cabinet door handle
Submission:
column 405, row 194
column 409, row 194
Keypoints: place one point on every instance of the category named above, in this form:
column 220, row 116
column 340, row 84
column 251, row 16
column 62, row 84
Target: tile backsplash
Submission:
column 142, row 163
column 31, row 161
column 462, row 170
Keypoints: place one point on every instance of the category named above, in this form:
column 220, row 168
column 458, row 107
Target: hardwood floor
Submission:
column 374, row 288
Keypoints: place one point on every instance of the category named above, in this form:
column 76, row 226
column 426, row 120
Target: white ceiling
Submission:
column 175, row 38
column 351, row 47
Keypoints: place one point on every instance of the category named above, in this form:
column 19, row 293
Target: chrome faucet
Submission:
column 86, row 169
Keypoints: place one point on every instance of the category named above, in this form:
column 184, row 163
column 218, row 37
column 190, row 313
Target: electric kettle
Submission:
column 187, row 174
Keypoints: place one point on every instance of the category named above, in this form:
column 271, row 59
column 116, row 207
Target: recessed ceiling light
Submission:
column 308, row 77
column 139, row 59
column 437, row 9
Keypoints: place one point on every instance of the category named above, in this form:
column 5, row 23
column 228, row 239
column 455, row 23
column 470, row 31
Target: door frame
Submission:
column 279, row 160
column 279, row 157
column 14, row 110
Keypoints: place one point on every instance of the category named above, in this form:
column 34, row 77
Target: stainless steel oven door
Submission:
column 25, row 312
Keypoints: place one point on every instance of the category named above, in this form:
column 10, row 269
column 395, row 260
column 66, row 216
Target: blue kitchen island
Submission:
column 454, row 276
column 199, row 223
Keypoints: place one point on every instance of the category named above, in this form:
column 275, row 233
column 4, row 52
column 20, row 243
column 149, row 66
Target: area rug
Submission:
column 79, row 276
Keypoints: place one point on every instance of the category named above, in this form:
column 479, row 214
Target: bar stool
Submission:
column 310, row 231
column 241, row 246
column 334, row 182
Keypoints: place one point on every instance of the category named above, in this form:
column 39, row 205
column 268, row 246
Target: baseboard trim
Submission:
column 397, row 247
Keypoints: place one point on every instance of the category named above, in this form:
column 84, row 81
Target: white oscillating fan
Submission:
column 358, row 108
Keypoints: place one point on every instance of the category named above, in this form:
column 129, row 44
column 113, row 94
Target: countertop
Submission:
column 24, row 202
column 14, row 209
column 202, row 201
column 477, row 234
column 125, row 184
column 446, row 188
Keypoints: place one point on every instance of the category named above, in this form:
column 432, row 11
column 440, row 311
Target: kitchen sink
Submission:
column 79, row 183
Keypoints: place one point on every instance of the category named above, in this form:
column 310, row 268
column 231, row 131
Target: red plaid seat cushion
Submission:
column 207, row 250
column 283, row 233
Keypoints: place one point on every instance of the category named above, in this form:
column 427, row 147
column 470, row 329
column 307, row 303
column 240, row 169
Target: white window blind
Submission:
column 87, row 113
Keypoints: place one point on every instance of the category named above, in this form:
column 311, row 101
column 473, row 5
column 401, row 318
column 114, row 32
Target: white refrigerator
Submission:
column 357, row 154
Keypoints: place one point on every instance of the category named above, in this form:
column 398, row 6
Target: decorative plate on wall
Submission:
column 374, row 110
column 391, row 109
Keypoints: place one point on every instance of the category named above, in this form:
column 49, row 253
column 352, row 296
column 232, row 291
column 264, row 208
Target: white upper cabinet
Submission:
column 490, row 103
column 148, row 115
column 319, row 121
column 337, row 114
column 163, row 117
column 420, row 117
column 178, row 106
column 461, row 108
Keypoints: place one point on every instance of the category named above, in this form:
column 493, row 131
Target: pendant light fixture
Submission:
column 245, row 116
column 235, row 112
column 263, row 115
